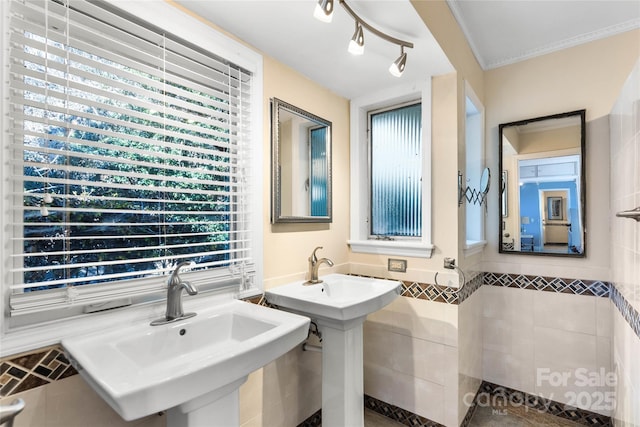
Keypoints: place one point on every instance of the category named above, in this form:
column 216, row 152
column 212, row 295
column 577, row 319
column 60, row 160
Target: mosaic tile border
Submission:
column 472, row 409
column 628, row 312
column 439, row 293
column 315, row 420
column 400, row 415
column 549, row 284
column 388, row 410
column 541, row 404
column 33, row 369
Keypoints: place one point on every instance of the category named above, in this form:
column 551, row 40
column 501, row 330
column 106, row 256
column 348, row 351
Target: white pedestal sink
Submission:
column 339, row 306
column 191, row 368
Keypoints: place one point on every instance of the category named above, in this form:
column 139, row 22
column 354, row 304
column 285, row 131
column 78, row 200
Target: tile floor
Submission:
column 374, row 419
column 516, row 417
column 487, row 417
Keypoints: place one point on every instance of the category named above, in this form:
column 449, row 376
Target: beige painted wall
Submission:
column 287, row 246
column 448, row 154
column 587, row 76
column 550, row 140
column 444, row 27
column 444, row 210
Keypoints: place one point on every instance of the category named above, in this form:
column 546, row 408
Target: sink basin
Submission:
column 141, row 369
column 339, row 306
column 339, row 298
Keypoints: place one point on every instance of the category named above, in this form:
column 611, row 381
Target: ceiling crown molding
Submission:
column 488, row 63
column 566, row 43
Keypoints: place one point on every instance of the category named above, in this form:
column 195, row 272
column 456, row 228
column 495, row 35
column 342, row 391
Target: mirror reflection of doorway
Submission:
column 556, row 225
column 549, row 204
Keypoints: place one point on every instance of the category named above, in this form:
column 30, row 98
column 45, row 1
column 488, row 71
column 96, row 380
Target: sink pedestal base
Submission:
column 342, row 376
column 220, row 408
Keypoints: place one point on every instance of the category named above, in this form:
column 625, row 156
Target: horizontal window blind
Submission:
column 130, row 150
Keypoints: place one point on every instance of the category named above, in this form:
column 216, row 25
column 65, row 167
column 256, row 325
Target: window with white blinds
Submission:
column 131, row 153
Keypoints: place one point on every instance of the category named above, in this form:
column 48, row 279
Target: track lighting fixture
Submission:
column 356, row 45
column 324, row 12
column 397, row 68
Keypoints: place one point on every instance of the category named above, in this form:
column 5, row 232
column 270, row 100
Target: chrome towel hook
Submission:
column 632, row 213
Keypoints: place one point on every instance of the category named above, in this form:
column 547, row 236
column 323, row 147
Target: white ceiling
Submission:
column 287, row 31
column 499, row 31
column 502, row 32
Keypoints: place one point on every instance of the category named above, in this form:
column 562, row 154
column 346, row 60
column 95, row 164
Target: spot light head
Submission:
column 324, row 10
column 356, row 45
column 397, row 68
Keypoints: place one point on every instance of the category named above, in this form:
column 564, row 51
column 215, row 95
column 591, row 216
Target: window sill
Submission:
column 473, row 247
column 398, row 248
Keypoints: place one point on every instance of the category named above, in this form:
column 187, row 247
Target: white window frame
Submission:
column 16, row 337
column 360, row 191
column 471, row 246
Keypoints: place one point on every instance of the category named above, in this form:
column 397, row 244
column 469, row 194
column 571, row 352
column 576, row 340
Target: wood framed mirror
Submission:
column 543, row 188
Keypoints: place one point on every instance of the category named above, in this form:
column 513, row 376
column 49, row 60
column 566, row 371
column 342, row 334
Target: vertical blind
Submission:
column 396, row 172
column 130, row 150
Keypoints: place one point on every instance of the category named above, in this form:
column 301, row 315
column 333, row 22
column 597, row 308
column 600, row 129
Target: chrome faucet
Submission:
column 314, row 263
column 174, row 297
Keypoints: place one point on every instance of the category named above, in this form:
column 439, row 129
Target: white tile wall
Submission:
column 625, row 261
column 411, row 358
column 470, row 333
column 531, row 338
column 626, row 356
column 508, row 337
column 574, row 313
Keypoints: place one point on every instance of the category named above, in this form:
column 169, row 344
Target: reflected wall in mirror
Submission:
column 542, row 193
column 300, row 165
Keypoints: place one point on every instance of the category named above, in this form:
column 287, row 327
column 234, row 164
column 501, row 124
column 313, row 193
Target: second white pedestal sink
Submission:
column 191, row 368
column 339, row 305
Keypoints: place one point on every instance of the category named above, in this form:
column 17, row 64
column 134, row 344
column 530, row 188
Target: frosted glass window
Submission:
column 319, row 170
column 396, row 172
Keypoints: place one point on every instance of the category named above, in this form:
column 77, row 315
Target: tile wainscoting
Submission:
column 22, row 372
